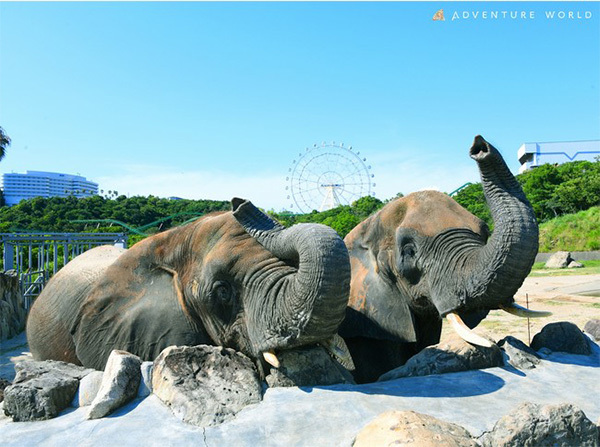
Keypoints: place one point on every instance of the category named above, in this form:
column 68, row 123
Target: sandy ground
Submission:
column 570, row 298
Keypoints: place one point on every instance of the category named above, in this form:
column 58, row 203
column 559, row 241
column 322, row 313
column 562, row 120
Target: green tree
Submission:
column 4, row 143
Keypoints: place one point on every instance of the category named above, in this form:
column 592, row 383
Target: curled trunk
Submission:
column 304, row 303
column 490, row 274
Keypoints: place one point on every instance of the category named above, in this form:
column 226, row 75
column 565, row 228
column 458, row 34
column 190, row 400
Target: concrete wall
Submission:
column 577, row 255
column 12, row 306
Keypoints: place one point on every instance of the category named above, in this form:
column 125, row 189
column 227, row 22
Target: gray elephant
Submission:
column 235, row 279
column 424, row 257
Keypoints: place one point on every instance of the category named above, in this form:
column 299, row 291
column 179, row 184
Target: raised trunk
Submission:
column 497, row 269
column 306, row 305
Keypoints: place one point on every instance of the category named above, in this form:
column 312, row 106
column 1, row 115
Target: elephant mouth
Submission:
column 335, row 347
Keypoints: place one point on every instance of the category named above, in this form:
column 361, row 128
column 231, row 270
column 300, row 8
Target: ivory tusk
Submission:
column 465, row 333
column 521, row 311
column 336, row 347
column 271, row 358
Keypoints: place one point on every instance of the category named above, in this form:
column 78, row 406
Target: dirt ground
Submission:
column 573, row 298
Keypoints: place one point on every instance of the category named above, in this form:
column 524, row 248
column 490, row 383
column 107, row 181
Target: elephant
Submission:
column 236, row 279
column 423, row 257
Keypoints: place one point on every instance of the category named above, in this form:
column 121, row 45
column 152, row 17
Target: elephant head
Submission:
column 424, row 257
column 235, row 279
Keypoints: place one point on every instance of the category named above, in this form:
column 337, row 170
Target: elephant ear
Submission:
column 377, row 309
column 136, row 306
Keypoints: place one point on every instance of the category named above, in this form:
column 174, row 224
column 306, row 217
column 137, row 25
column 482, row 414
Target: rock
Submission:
column 88, row 389
column 42, row 389
column 592, row 328
column 307, row 366
column 205, row 385
column 562, row 337
column 518, row 353
column 559, row 260
column 452, row 355
column 12, row 307
column 562, row 425
column 408, row 428
column 3, row 384
column 120, row 383
column 575, row 265
column 145, row 388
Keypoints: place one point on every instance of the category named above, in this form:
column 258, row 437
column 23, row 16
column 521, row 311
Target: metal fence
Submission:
column 38, row 256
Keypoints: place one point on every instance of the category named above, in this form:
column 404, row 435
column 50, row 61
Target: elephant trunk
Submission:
column 499, row 267
column 304, row 304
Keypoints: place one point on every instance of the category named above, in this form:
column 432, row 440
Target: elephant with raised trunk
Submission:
column 235, row 279
column 424, row 257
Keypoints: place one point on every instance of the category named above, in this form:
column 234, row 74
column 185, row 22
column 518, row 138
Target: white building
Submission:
column 536, row 154
column 17, row 187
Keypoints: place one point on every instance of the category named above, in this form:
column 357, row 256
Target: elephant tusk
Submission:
column 465, row 333
column 521, row 311
column 271, row 358
column 336, row 347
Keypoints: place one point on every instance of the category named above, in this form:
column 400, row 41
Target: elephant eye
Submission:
column 222, row 292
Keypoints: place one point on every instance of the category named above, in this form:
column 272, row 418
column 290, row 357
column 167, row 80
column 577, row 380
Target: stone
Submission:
column 562, row 337
column 42, row 389
column 12, row 306
column 575, row 265
column 88, row 389
column 451, row 355
column 592, row 328
column 559, row 260
column 120, row 383
column 518, row 354
column 307, row 366
column 145, row 388
column 3, row 384
column 205, row 385
column 530, row 424
column 408, row 428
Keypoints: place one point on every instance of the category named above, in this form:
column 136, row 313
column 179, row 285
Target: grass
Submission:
column 589, row 268
column 572, row 232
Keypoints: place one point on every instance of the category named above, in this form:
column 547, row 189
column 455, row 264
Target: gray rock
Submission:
column 518, row 353
column 592, row 328
column 530, row 424
column 120, row 383
column 88, row 389
column 559, row 260
column 562, row 337
column 205, row 385
column 408, row 428
column 42, row 389
column 451, row 355
column 308, row 366
column 575, row 265
column 145, row 388
column 3, row 384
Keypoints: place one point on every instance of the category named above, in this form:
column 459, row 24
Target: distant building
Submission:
column 17, row 187
column 532, row 155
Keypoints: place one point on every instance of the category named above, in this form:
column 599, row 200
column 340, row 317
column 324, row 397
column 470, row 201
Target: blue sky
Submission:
column 215, row 100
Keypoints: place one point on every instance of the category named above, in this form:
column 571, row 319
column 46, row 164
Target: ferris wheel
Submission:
column 328, row 175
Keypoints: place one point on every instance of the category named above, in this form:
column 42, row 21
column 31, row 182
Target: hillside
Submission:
column 572, row 232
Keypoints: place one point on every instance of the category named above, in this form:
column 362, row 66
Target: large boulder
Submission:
column 562, row 337
column 592, row 328
column 531, row 424
column 559, row 260
column 205, row 385
column 451, row 355
column 120, row 383
column 42, row 389
column 3, row 384
column 518, row 354
column 408, row 428
column 308, row 366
